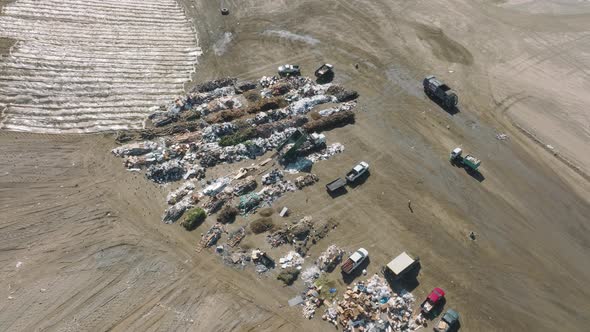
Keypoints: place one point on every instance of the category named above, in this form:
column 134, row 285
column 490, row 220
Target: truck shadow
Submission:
column 473, row 173
column 360, row 180
column 436, row 311
column 451, row 110
column 408, row 282
column 455, row 327
column 337, row 193
column 349, row 278
column 329, row 77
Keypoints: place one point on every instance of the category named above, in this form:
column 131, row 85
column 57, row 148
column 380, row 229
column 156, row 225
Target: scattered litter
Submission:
column 235, row 237
column 372, row 306
column 174, row 196
column 272, row 177
column 292, row 259
column 502, row 137
column 306, row 180
column 310, row 275
column 212, row 236
column 331, row 150
column 19, row 264
column 330, row 258
column 172, row 170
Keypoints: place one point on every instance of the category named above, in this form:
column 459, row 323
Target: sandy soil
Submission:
column 94, row 256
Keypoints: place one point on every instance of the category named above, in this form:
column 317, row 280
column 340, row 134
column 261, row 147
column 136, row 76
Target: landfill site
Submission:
column 261, row 165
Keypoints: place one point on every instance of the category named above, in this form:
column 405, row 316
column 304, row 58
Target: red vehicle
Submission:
column 432, row 300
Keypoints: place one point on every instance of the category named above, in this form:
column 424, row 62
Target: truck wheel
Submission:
column 224, row 11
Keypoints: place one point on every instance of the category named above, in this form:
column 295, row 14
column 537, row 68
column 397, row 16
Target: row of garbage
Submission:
column 185, row 156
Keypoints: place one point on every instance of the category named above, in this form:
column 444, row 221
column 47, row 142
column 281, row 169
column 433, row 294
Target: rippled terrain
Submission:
column 88, row 66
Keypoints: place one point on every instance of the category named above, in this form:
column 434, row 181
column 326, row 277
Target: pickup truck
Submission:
column 432, row 300
column 324, row 70
column 358, row 170
column 289, row 70
column 354, row 260
column 448, row 320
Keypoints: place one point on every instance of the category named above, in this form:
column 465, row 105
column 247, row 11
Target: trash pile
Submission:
column 272, row 177
column 290, row 234
column 271, row 193
column 292, row 259
column 372, row 306
column 310, row 275
column 312, row 302
column 213, row 124
column 330, row 258
column 306, row 180
column 212, row 236
column 331, row 150
column 235, row 237
column 502, row 137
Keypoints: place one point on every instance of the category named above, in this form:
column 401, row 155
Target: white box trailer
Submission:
column 403, row 263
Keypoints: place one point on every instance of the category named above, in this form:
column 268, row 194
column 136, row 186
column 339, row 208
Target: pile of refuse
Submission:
column 289, row 234
column 306, row 180
column 212, row 236
column 328, row 259
column 373, row 306
column 291, row 259
column 189, row 137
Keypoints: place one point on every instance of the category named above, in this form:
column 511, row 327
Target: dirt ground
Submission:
column 81, row 242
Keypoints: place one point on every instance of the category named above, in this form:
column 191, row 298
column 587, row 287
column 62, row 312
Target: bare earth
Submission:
column 81, row 242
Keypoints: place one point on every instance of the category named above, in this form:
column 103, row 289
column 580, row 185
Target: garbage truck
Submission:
column 468, row 161
column 354, row 260
column 436, row 89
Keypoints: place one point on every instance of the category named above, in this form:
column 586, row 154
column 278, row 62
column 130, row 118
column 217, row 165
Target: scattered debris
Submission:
column 235, row 237
column 502, row 137
column 291, row 260
column 306, row 180
column 171, row 170
column 330, row 258
column 272, row 177
column 373, row 306
column 310, row 275
column 212, row 236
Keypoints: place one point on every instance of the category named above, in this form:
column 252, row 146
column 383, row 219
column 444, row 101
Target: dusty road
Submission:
column 94, row 256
